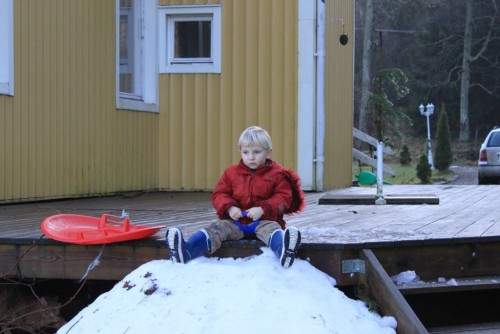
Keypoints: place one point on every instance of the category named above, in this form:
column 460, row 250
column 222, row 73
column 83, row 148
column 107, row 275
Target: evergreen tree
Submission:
column 404, row 157
column 424, row 169
column 389, row 83
column 444, row 156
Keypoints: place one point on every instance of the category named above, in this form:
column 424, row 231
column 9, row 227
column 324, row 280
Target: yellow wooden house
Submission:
column 105, row 96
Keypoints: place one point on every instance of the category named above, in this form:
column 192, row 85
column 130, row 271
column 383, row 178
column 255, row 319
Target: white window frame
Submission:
column 168, row 15
column 145, row 56
column 6, row 47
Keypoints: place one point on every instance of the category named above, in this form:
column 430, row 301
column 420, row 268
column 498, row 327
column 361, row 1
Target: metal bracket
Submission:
column 353, row 266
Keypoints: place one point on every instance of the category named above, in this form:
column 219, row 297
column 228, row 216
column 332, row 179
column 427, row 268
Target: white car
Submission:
column 488, row 170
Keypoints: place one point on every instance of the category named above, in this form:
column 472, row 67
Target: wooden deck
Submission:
column 466, row 218
column 360, row 245
column 462, row 212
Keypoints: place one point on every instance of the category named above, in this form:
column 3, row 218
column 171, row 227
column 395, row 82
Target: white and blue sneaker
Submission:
column 285, row 245
column 181, row 251
column 175, row 244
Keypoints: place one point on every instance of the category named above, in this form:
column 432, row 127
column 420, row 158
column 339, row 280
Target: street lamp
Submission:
column 427, row 111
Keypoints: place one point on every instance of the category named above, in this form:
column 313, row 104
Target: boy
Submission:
column 250, row 199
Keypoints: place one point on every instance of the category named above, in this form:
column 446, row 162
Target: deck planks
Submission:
column 463, row 212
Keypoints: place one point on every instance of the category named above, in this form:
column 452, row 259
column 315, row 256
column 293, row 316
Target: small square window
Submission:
column 190, row 39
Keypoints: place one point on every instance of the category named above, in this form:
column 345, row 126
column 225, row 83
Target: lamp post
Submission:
column 427, row 111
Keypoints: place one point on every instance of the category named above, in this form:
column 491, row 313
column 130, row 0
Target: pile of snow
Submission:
column 451, row 281
column 405, row 277
column 209, row 295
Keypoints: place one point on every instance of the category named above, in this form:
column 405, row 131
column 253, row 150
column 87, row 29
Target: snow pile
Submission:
column 451, row 281
column 210, row 295
column 405, row 277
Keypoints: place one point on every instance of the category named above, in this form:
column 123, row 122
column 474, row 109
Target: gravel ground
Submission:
column 466, row 175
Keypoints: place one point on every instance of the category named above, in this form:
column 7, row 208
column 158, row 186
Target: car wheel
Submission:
column 482, row 180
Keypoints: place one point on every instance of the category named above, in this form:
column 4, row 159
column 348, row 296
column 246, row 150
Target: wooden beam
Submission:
column 483, row 328
column 66, row 261
column 52, row 259
column 377, row 285
column 365, row 199
column 364, row 158
column 432, row 259
column 372, row 141
column 459, row 284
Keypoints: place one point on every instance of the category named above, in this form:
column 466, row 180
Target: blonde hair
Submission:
column 255, row 135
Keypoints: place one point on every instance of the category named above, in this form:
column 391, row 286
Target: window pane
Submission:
column 126, row 49
column 192, row 39
column 495, row 140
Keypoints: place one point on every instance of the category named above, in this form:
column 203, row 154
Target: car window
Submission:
column 494, row 140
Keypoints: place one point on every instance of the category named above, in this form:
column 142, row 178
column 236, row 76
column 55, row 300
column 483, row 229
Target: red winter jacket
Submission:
column 275, row 189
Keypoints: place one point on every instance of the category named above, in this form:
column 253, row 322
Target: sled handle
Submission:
column 245, row 214
column 105, row 220
column 248, row 230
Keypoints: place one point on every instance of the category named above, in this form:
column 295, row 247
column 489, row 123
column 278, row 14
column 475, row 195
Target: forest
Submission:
column 444, row 52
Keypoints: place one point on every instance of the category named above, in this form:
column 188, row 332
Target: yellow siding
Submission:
column 339, row 94
column 202, row 115
column 61, row 135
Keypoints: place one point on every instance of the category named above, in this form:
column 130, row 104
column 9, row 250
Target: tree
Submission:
column 465, row 75
column 456, row 54
column 424, row 169
column 387, row 84
column 405, row 157
column 365, row 67
column 443, row 156
column 446, row 59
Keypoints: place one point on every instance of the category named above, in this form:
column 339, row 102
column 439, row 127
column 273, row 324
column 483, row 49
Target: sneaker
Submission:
column 175, row 244
column 291, row 243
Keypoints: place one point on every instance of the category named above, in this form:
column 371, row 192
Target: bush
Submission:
column 424, row 169
column 404, row 157
column 444, row 156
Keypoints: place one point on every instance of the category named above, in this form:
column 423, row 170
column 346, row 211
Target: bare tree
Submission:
column 365, row 67
column 465, row 77
column 455, row 51
column 469, row 57
column 450, row 52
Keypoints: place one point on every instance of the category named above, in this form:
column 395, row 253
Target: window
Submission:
column 495, row 140
column 190, row 39
column 6, row 47
column 136, row 80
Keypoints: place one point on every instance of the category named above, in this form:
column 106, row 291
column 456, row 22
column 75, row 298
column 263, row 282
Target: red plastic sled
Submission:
column 87, row 230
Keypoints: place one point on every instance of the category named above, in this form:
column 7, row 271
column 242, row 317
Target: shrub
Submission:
column 424, row 169
column 404, row 157
column 444, row 156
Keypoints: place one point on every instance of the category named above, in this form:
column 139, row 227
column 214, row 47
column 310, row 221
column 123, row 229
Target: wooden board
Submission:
column 363, row 199
column 451, row 285
column 371, row 162
column 379, row 287
column 436, row 259
column 486, row 328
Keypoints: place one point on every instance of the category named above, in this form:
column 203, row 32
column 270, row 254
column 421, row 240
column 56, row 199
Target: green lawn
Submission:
column 404, row 174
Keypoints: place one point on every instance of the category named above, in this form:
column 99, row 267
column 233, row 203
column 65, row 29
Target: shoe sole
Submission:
column 174, row 245
column 291, row 243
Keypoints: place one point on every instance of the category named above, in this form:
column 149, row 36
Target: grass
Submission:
column 464, row 154
column 404, row 174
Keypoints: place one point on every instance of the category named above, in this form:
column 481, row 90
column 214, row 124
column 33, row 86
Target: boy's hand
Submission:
column 235, row 213
column 255, row 213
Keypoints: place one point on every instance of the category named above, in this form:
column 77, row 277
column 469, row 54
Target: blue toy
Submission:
column 248, row 230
